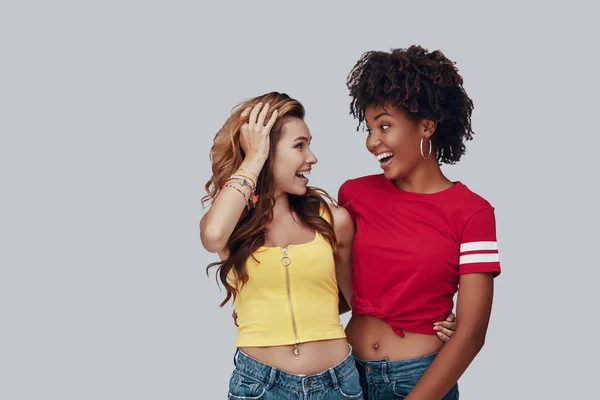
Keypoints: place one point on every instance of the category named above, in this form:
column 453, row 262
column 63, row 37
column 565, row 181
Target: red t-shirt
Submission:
column 410, row 249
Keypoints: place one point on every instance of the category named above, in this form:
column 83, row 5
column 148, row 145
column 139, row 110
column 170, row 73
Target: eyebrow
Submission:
column 304, row 138
column 380, row 115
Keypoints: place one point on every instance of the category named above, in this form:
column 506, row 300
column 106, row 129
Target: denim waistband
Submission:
column 272, row 376
column 387, row 371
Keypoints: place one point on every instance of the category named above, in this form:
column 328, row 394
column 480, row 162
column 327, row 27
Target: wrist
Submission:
column 253, row 165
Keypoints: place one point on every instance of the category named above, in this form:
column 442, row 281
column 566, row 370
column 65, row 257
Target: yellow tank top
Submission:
column 291, row 296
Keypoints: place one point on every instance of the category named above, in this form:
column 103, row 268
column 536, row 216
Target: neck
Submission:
column 426, row 178
column 282, row 205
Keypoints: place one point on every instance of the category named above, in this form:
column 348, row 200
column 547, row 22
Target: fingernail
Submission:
column 436, row 328
column 436, row 323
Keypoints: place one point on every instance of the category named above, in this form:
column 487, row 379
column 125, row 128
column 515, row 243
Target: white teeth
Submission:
column 304, row 174
column 383, row 155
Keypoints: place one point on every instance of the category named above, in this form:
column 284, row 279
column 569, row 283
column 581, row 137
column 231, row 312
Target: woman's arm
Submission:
column 344, row 233
column 474, row 307
column 217, row 225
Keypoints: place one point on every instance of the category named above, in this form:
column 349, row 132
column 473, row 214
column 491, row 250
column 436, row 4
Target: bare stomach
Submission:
column 373, row 339
column 314, row 357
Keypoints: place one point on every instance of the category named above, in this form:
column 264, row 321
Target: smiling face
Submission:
column 395, row 140
column 293, row 158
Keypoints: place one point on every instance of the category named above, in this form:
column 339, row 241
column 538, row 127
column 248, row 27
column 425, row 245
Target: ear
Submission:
column 428, row 127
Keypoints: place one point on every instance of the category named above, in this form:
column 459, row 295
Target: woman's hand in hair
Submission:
column 254, row 137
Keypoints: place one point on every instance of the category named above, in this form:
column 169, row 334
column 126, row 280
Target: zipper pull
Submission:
column 285, row 260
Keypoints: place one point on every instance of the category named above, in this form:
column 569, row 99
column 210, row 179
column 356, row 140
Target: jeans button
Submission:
column 369, row 370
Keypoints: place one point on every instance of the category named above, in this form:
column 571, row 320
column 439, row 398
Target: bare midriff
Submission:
column 373, row 339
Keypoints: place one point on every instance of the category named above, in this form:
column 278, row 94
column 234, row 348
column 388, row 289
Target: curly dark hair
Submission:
column 426, row 85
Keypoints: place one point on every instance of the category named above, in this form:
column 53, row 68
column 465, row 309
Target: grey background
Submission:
column 107, row 113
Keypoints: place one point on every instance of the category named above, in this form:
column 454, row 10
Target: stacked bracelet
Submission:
column 244, row 180
column 229, row 184
column 241, row 175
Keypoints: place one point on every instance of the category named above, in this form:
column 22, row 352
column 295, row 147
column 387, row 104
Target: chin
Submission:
column 297, row 191
column 300, row 192
column 393, row 174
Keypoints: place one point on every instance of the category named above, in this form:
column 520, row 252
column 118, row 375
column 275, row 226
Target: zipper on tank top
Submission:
column 286, row 261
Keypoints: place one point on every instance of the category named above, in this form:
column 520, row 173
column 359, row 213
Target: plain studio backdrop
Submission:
column 107, row 113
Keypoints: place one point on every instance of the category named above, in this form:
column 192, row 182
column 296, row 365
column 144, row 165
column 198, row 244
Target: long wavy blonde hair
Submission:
column 226, row 156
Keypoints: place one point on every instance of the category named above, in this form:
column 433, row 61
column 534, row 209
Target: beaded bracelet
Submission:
column 243, row 181
column 244, row 176
column 229, row 184
column 253, row 196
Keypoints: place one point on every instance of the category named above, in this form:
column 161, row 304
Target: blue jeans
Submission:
column 383, row 379
column 252, row 379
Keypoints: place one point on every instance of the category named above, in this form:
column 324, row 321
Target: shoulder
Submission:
column 363, row 181
column 334, row 214
column 355, row 185
column 474, row 209
column 343, row 224
column 471, row 200
column 341, row 216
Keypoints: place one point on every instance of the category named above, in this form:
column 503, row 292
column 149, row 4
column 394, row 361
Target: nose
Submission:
column 311, row 159
column 373, row 142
